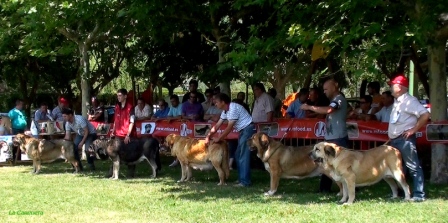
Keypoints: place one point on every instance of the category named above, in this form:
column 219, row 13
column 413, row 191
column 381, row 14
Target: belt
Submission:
column 247, row 126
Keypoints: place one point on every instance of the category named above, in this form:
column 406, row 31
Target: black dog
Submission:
column 202, row 130
column 136, row 151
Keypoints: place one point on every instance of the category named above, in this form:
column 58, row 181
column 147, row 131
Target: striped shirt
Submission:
column 239, row 114
column 78, row 125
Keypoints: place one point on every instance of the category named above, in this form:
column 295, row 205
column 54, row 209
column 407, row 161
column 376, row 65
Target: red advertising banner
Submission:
column 283, row 128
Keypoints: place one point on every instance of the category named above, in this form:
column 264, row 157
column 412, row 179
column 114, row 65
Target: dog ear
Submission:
column 264, row 140
column 330, row 151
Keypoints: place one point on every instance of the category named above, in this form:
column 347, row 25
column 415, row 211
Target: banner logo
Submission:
column 320, row 129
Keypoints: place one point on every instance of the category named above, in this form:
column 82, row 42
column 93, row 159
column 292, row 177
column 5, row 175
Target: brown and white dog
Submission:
column 46, row 151
column 283, row 161
column 194, row 153
column 362, row 168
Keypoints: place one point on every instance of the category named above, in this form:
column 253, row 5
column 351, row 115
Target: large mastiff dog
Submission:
column 194, row 153
column 136, row 151
column 283, row 161
column 46, row 151
column 361, row 168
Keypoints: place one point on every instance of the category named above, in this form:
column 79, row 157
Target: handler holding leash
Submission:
column 239, row 119
column 85, row 135
column 406, row 118
column 335, row 122
column 124, row 117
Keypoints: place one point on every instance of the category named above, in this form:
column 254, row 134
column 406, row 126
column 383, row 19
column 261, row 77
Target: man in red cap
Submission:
column 406, row 118
column 56, row 114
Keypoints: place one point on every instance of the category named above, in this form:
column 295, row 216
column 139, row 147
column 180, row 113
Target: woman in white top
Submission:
column 365, row 109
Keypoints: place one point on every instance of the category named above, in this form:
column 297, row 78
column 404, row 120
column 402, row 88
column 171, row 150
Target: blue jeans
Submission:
column 411, row 162
column 89, row 140
column 326, row 182
column 233, row 145
column 242, row 155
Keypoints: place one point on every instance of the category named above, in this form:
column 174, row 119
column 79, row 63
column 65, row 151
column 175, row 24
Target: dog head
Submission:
column 20, row 141
column 323, row 151
column 260, row 142
column 170, row 140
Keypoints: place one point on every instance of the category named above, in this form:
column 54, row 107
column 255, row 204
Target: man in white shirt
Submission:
column 239, row 119
column 143, row 111
column 263, row 110
column 85, row 135
column 406, row 118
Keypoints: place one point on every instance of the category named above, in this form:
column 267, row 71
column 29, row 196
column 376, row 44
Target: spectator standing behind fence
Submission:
column 192, row 110
column 85, row 135
column 365, row 110
column 384, row 114
column 406, row 118
column 213, row 113
column 373, row 88
column 239, row 119
column 42, row 114
column 335, row 126
column 124, row 117
column 263, row 110
column 57, row 112
column 316, row 98
column 294, row 110
column 18, row 118
column 176, row 108
column 193, row 87
column 208, row 99
column 277, row 103
column 96, row 111
column 143, row 111
column 163, row 110
column 241, row 97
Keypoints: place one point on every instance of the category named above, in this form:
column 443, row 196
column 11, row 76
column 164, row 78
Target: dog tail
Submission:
column 225, row 161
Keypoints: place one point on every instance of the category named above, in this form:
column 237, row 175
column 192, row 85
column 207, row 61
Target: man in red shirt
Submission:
column 124, row 117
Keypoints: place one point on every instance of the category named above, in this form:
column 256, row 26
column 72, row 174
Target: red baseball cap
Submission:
column 63, row 101
column 400, row 79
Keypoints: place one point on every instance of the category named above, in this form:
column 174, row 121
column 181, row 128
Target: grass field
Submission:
column 57, row 195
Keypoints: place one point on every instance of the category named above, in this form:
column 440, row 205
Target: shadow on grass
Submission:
column 203, row 186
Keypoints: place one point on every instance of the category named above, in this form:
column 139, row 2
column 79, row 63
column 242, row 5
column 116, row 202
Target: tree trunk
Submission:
column 86, row 86
column 225, row 85
column 437, row 79
column 170, row 91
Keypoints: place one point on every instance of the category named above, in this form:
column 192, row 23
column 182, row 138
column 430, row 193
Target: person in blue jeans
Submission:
column 85, row 135
column 406, row 118
column 239, row 119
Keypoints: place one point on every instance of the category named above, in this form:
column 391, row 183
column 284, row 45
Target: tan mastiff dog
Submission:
column 195, row 154
column 362, row 168
column 46, row 151
column 283, row 161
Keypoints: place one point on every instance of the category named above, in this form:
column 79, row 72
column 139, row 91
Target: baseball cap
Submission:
column 63, row 101
column 400, row 79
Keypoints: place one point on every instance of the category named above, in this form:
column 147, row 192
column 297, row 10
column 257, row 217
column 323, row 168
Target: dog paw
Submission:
column 346, row 204
column 221, row 184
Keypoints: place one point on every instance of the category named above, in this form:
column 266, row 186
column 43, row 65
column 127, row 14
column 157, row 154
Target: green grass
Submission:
column 89, row 197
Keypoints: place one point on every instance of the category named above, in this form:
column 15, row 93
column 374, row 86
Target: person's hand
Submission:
column 127, row 139
column 80, row 146
column 305, row 107
column 408, row 133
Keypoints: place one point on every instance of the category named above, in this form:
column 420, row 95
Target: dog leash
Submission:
column 287, row 130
